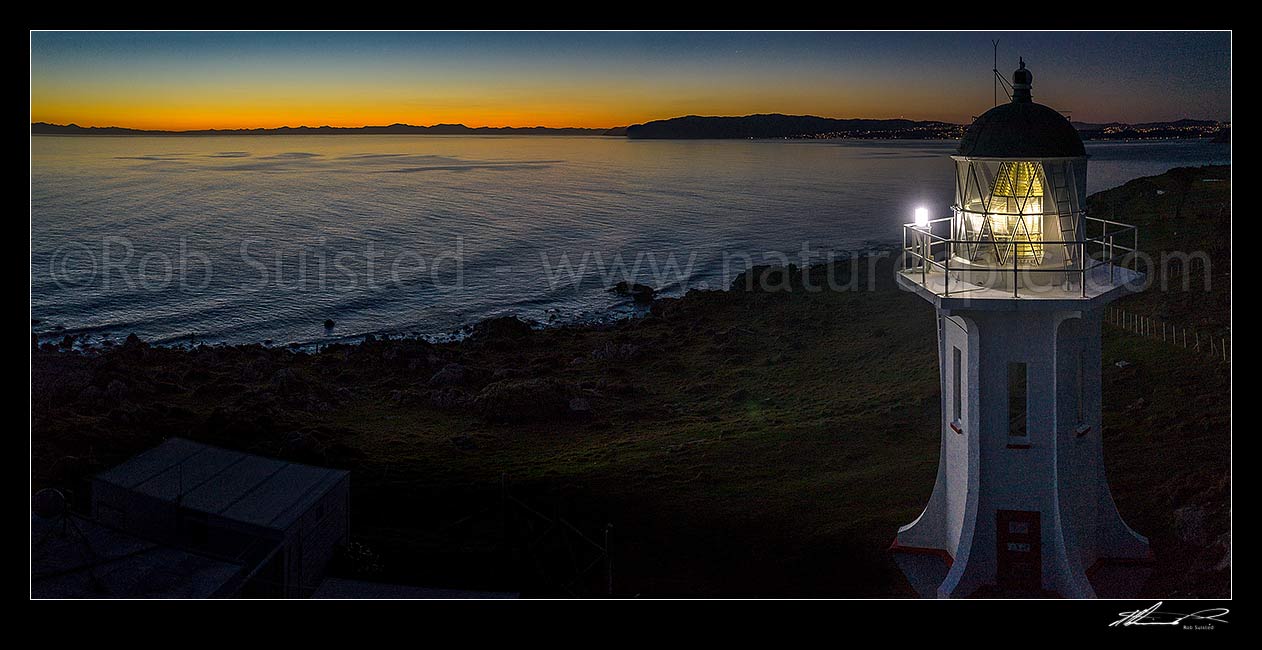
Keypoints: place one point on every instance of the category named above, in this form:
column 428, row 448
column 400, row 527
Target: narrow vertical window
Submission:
column 957, row 387
column 1079, row 390
column 1017, row 397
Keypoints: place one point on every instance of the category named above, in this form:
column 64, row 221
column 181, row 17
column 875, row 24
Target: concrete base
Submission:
column 925, row 572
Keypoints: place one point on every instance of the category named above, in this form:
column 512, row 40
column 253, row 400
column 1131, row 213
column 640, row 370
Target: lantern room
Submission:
column 1020, row 187
column 1019, row 219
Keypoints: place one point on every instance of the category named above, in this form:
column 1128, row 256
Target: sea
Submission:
column 304, row 240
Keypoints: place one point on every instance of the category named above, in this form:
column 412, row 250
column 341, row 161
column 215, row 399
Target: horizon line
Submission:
column 324, row 126
column 551, row 128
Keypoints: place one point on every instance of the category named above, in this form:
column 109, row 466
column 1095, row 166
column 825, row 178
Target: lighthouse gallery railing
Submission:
column 922, row 248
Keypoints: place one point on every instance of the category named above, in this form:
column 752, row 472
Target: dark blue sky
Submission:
column 605, row 79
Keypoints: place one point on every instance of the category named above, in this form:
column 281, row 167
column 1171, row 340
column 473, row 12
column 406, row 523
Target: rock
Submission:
column 1223, row 545
column 501, row 327
column 116, row 390
column 581, row 408
column 328, row 323
column 508, row 373
column 67, row 342
column 404, row 396
column 614, row 387
column 639, row 292
column 518, row 401
column 616, row 352
column 452, row 374
column 1189, row 524
column 450, row 399
column 282, row 377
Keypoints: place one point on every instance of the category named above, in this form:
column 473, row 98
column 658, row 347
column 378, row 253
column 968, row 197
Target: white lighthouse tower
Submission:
column 1019, row 275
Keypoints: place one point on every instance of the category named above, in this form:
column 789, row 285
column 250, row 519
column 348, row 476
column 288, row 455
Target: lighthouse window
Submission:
column 1017, row 396
column 1078, row 389
column 957, row 402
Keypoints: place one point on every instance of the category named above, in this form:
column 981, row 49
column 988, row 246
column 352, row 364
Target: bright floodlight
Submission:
column 922, row 217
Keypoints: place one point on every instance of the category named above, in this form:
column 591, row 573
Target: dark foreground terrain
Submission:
column 748, row 442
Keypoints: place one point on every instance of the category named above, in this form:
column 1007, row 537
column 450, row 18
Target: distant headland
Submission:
column 696, row 127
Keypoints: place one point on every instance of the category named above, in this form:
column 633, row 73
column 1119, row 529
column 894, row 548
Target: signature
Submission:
column 1151, row 616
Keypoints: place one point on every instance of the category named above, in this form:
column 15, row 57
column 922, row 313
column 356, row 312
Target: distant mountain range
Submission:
column 44, row 128
column 693, row 127
column 776, row 125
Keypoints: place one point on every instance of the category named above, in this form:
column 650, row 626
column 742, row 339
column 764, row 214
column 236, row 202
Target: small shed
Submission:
column 282, row 519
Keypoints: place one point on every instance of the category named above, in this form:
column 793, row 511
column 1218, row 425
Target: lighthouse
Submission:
column 1018, row 275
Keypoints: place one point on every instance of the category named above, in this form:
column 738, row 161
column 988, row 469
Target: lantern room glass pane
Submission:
column 1008, row 209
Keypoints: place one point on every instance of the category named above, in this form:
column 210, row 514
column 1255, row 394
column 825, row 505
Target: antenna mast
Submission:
column 994, row 69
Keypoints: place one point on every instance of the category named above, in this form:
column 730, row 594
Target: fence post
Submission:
column 608, row 560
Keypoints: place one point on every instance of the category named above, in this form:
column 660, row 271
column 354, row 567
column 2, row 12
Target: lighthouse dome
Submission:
column 1021, row 128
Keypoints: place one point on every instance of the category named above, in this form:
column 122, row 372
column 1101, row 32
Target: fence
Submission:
column 1215, row 346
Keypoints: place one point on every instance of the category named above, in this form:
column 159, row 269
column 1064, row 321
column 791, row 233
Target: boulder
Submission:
column 501, row 327
column 116, row 390
column 611, row 351
column 581, row 408
column 450, row 399
column 640, row 293
column 452, row 374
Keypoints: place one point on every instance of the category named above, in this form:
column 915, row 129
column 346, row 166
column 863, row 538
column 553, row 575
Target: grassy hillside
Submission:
column 740, row 442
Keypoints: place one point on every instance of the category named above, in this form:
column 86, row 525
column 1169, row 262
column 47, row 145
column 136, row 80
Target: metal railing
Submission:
column 925, row 250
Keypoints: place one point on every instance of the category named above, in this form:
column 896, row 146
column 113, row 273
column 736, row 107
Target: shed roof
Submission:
column 242, row 487
column 76, row 557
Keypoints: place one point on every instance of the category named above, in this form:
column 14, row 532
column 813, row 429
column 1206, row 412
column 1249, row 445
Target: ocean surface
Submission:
column 246, row 239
